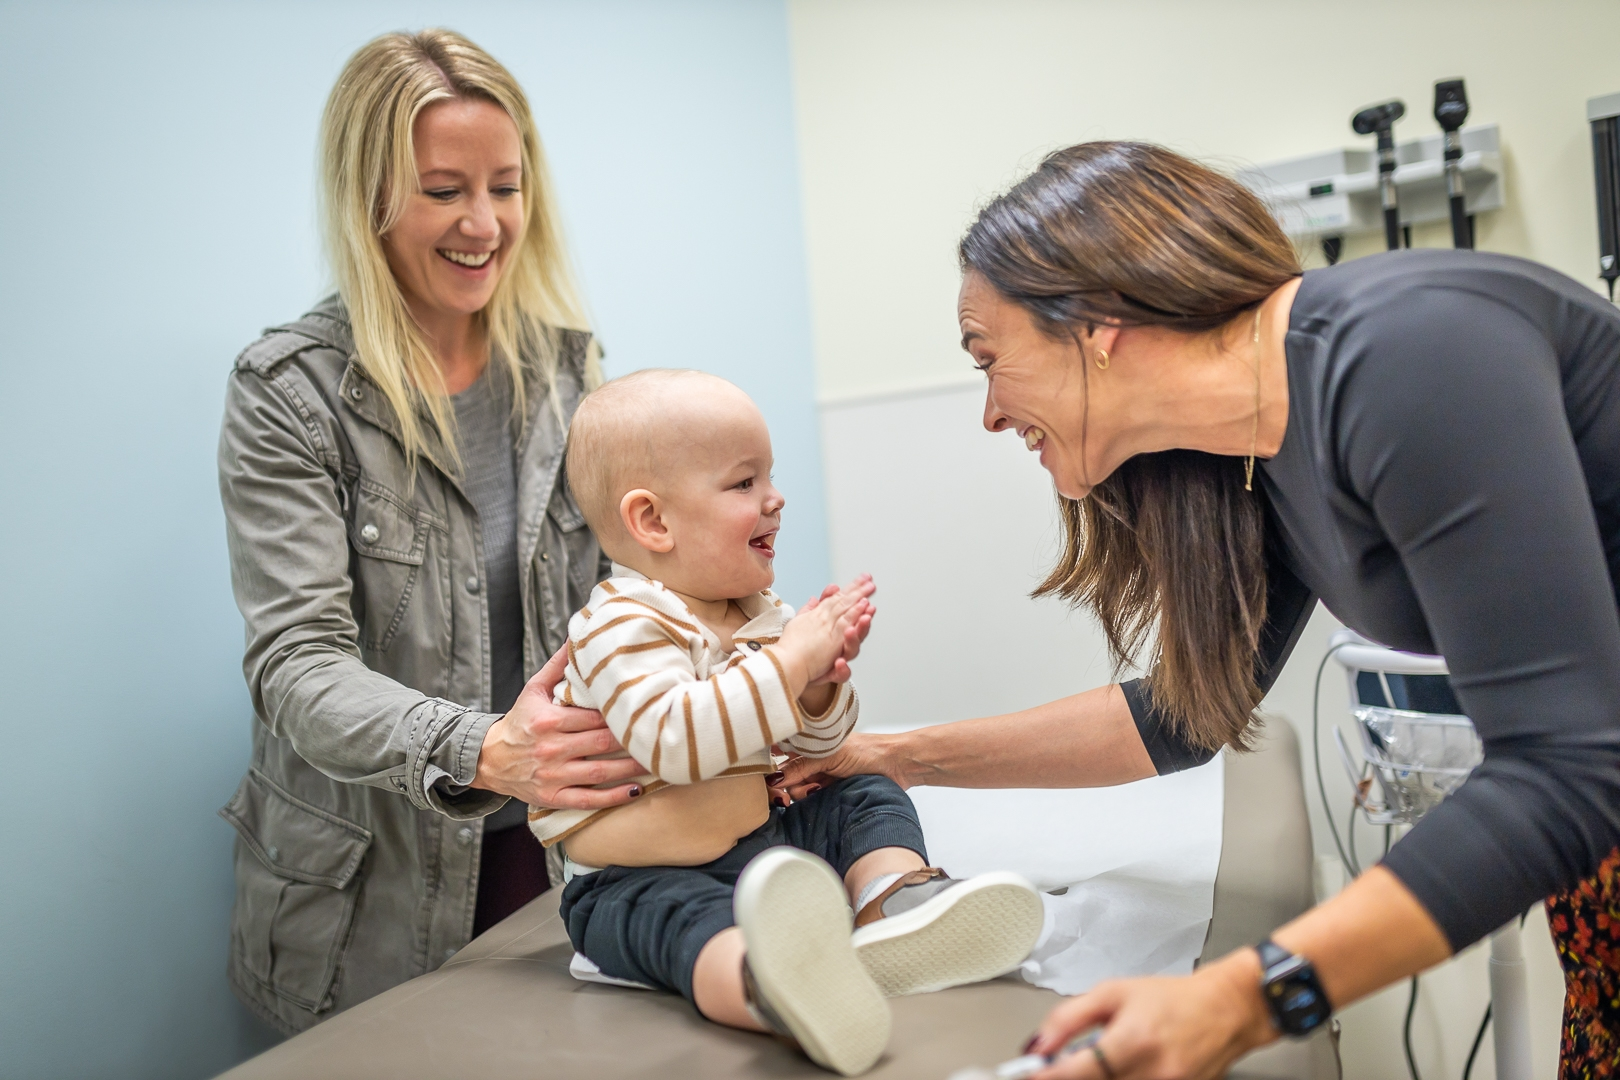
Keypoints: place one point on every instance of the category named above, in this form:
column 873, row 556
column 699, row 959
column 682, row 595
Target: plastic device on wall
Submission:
column 1417, row 748
column 1328, row 196
column 1604, row 114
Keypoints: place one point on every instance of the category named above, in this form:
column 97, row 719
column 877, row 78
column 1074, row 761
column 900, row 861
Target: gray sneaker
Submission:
column 801, row 976
column 928, row 931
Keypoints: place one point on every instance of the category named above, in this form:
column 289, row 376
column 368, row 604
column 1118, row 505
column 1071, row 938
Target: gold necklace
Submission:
column 1254, row 435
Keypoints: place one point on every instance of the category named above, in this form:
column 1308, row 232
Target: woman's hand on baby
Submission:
column 860, row 754
column 537, row 752
column 854, row 635
column 817, row 641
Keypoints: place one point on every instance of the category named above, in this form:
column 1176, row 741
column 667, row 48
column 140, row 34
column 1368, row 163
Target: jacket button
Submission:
column 464, row 835
column 754, row 645
column 369, row 534
column 356, row 393
column 545, row 556
column 274, row 853
column 472, row 584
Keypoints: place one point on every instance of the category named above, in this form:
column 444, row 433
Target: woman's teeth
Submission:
column 473, row 259
column 1033, row 438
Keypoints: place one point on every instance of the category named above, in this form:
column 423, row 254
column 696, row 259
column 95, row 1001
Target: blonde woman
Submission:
column 403, row 548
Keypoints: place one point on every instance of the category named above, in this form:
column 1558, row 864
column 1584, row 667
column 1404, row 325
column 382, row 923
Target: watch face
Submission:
column 1300, row 1005
column 1295, row 997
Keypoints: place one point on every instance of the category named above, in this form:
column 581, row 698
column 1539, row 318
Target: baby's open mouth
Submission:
column 765, row 545
column 473, row 259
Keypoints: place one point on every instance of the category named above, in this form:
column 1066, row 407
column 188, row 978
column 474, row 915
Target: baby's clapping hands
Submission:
column 820, row 641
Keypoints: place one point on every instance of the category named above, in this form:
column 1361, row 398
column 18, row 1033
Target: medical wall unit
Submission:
column 1603, row 113
column 1336, row 193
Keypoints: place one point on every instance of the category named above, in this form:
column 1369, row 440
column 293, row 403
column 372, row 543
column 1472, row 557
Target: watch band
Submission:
column 1271, row 954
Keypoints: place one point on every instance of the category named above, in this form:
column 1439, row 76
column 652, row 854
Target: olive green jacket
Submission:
column 368, row 663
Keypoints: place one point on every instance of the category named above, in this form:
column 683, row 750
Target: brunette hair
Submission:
column 1136, row 235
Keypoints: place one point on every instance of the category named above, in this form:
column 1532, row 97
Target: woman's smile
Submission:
column 475, row 260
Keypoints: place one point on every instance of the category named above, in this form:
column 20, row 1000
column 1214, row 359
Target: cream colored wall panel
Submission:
column 956, row 527
column 912, row 113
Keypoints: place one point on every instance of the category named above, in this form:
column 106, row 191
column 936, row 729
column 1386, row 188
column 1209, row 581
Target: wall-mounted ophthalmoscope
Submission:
column 1450, row 110
column 1380, row 120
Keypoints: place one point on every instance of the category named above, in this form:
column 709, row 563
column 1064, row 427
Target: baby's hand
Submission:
column 853, row 639
column 819, row 642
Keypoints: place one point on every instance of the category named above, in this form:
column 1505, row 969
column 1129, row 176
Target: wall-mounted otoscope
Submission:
column 1604, row 114
column 1381, row 119
column 1450, row 110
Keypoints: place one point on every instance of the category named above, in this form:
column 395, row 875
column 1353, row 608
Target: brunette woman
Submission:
column 1428, row 442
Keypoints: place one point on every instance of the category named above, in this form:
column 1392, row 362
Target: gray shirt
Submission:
column 489, row 477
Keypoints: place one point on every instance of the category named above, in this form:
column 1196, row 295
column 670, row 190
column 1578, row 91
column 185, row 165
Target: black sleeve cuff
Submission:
column 1170, row 752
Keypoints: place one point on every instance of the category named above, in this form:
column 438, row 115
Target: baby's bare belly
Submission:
column 679, row 825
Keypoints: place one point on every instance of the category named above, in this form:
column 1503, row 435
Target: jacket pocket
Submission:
column 296, row 866
column 389, row 540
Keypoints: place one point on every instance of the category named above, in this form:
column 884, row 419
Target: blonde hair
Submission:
column 368, row 171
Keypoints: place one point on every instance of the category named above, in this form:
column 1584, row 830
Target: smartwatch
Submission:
column 1292, row 991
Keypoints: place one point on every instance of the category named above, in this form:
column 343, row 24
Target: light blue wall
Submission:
column 156, row 210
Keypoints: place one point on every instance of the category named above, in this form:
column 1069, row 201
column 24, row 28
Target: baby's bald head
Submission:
column 643, row 430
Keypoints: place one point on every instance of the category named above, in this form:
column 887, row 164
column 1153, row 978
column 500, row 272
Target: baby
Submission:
column 701, row 885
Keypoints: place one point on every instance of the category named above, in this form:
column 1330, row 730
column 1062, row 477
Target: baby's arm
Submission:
column 639, row 666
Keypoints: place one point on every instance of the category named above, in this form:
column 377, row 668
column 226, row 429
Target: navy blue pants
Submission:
column 648, row 923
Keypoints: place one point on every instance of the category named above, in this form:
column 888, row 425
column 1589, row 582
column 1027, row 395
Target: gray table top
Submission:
column 506, row 1006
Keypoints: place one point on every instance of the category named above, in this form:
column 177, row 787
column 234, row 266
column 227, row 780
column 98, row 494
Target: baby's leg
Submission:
column 717, row 986
column 649, row 924
column 865, row 826
column 915, row 931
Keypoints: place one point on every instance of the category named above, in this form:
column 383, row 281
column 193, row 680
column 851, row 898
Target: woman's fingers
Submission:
column 544, row 681
column 584, row 772
column 593, row 742
column 1191, row 1027
column 1082, row 1065
column 588, row 798
column 566, row 718
column 1074, row 1015
column 800, row 773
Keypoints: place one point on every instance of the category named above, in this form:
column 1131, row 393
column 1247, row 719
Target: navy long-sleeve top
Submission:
column 1449, row 482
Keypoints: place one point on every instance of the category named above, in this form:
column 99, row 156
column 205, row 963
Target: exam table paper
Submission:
column 1138, row 861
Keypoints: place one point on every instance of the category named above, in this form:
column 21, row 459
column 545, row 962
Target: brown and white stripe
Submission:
column 682, row 708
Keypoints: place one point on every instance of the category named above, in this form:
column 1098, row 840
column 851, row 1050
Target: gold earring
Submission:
column 1102, row 359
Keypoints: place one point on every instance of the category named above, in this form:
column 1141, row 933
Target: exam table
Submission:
column 505, row 1006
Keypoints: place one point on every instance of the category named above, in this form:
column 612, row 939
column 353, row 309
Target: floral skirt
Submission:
column 1585, row 925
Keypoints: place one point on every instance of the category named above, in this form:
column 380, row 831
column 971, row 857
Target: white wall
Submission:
column 156, row 209
column 913, row 112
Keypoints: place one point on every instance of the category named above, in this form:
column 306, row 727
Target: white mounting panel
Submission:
column 1336, row 193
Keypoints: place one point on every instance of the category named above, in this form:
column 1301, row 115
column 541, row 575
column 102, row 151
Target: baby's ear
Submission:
column 642, row 513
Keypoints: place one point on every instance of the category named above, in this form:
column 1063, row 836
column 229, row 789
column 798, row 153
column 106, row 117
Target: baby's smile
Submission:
column 765, row 544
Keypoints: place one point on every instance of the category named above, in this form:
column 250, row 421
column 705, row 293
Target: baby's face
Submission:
column 721, row 508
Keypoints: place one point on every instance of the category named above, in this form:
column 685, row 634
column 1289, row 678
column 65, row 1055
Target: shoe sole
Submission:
column 796, row 921
column 978, row 930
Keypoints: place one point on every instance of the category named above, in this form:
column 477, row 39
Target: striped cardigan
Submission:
column 683, row 709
